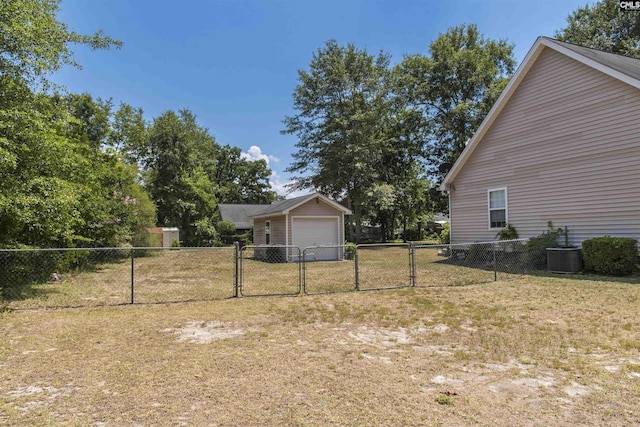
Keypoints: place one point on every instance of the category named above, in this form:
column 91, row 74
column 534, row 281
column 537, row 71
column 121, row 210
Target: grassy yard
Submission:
column 208, row 273
column 533, row 351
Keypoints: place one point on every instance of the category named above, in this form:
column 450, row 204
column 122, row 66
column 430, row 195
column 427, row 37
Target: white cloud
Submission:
column 281, row 187
column 255, row 153
column 275, row 180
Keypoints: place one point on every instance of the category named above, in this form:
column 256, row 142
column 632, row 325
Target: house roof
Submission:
column 241, row 215
column 623, row 68
column 283, row 207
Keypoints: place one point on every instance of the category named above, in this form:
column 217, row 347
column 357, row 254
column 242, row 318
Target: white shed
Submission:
column 169, row 235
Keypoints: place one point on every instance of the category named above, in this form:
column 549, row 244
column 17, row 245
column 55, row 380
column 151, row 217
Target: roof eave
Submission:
column 511, row 87
column 302, row 202
column 494, row 112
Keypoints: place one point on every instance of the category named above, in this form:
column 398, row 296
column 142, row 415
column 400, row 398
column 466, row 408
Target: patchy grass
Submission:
column 540, row 350
column 161, row 276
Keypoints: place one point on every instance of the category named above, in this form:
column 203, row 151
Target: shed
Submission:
column 166, row 235
column 304, row 221
column 170, row 235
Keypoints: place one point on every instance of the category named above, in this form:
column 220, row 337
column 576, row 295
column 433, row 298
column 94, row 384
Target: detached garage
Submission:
column 305, row 221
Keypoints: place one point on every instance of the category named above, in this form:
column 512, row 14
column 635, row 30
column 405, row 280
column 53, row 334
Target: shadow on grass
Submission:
column 28, row 275
column 519, row 264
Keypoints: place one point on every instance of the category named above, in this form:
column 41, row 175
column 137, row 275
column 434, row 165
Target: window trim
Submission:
column 506, row 206
column 267, row 232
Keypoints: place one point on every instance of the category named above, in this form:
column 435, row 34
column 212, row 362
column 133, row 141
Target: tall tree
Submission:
column 604, row 26
column 240, row 180
column 340, row 102
column 176, row 177
column 33, row 43
column 455, row 87
column 188, row 173
column 129, row 135
column 53, row 180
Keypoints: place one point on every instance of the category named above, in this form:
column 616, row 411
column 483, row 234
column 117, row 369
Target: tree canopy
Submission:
column 75, row 172
column 604, row 26
column 376, row 136
column 340, row 102
column 33, row 43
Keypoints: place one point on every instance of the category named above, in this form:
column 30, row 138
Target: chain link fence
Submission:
column 471, row 263
column 184, row 274
column 329, row 269
column 270, row 270
column 110, row 276
column 384, row 266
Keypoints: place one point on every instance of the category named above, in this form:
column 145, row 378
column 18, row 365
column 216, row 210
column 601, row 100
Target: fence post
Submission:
column 132, row 280
column 355, row 263
column 235, row 264
column 495, row 263
column 302, row 269
column 412, row 263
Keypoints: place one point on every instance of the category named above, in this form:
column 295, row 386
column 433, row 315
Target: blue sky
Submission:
column 234, row 63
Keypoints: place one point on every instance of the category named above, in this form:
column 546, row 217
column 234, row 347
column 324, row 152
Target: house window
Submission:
column 267, row 232
column 498, row 208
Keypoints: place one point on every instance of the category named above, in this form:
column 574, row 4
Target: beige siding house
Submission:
column 561, row 144
column 305, row 221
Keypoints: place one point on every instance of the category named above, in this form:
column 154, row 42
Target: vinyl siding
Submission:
column 278, row 231
column 311, row 208
column 567, row 148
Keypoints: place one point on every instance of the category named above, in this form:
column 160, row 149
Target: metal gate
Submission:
column 269, row 270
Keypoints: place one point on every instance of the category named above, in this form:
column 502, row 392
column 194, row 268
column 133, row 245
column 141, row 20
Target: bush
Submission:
column 349, row 250
column 507, row 233
column 612, row 256
column 480, row 253
column 445, row 235
column 21, row 269
column 536, row 250
column 276, row 254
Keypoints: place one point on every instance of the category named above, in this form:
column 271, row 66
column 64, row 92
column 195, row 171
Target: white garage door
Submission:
column 316, row 232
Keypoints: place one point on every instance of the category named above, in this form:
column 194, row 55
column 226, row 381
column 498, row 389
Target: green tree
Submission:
column 58, row 187
column 454, row 88
column 340, row 101
column 176, row 176
column 93, row 122
column 129, row 134
column 604, row 26
column 51, row 176
column 33, row 43
column 239, row 180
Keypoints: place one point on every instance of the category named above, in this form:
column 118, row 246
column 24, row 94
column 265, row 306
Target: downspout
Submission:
column 450, row 216
column 286, row 236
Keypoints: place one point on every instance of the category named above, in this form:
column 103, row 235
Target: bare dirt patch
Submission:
column 536, row 351
column 203, row 332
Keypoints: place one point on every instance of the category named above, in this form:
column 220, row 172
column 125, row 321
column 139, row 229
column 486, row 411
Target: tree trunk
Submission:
column 404, row 229
column 357, row 219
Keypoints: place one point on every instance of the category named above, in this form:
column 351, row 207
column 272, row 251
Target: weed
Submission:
column 445, row 398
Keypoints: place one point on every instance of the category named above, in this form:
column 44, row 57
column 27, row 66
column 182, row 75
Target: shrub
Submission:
column 276, row 254
column 349, row 250
column 480, row 253
column 19, row 270
column 445, row 235
column 536, row 250
column 614, row 256
column 507, row 233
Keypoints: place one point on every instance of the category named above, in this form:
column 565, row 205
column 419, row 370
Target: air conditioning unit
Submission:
column 564, row 260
